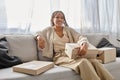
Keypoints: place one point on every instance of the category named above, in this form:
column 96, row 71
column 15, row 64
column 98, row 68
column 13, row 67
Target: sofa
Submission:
column 24, row 47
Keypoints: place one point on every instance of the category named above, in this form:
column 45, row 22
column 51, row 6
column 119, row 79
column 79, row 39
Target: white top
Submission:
column 59, row 42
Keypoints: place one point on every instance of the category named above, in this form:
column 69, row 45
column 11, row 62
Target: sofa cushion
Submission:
column 22, row 46
column 56, row 73
column 41, row 57
column 94, row 38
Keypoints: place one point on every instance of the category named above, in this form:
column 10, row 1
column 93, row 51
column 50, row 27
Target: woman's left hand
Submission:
column 83, row 49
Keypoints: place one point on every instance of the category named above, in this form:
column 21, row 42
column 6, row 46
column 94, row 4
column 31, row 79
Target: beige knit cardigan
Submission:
column 47, row 34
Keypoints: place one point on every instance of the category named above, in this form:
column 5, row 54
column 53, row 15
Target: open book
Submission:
column 33, row 67
column 71, row 50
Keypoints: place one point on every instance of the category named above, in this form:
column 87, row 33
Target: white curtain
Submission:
column 86, row 16
column 18, row 15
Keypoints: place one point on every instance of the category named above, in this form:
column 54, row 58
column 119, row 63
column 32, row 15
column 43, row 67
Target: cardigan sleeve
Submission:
column 77, row 38
column 46, row 34
column 82, row 40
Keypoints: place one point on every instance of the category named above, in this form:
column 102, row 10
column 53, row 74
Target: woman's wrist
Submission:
column 38, row 37
column 85, row 43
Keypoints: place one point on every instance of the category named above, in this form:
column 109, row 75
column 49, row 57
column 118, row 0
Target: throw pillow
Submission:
column 41, row 57
column 105, row 43
column 3, row 45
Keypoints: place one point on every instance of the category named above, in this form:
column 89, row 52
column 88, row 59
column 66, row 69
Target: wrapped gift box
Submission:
column 33, row 67
column 71, row 50
column 106, row 54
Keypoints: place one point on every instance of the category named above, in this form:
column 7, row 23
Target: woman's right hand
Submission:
column 41, row 42
column 83, row 49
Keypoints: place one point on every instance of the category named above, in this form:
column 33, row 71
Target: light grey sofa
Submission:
column 24, row 46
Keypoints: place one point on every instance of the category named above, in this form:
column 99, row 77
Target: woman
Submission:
column 52, row 43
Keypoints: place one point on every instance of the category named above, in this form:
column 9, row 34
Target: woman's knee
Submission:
column 94, row 60
column 84, row 61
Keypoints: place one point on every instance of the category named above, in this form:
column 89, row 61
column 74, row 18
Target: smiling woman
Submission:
column 52, row 44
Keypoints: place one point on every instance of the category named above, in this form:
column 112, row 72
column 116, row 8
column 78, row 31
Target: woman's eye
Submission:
column 59, row 17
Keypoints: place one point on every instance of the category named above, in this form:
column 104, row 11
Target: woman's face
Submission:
column 58, row 19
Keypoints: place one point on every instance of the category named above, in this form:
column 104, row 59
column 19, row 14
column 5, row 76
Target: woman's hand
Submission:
column 83, row 49
column 41, row 42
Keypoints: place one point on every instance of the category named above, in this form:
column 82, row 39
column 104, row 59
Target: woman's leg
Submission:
column 101, row 70
column 87, row 71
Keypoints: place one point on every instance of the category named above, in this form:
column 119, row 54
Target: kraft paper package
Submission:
column 71, row 50
column 107, row 54
column 33, row 67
